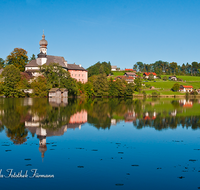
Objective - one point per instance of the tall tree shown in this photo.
(39, 86)
(32, 57)
(101, 85)
(173, 67)
(2, 62)
(11, 76)
(18, 58)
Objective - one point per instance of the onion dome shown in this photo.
(43, 42)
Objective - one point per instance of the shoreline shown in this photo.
(168, 96)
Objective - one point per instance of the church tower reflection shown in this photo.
(41, 135)
(35, 125)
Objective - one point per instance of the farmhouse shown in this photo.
(184, 88)
(173, 78)
(76, 71)
(113, 68)
(128, 79)
(146, 75)
(130, 74)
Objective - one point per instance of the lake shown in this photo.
(99, 144)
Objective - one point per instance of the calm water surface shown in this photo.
(100, 144)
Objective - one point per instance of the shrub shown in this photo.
(155, 94)
(151, 77)
(158, 76)
(165, 78)
(148, 85)
(194, 92)
(179, 79)
(144, 93)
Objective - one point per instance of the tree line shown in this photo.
(162, 67)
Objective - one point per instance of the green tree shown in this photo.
(40, 87)
(89, 89)
(138, 84)
(176, 87)
(99, 68)
(11, 76)
(18, 58)
(32, 57)
(101, 85)
(2, 62)
(120, 86)
(57, 77)
(113, 91)
(173, 67)
(151, 77)
(129, 89)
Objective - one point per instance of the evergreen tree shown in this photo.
(32, 57)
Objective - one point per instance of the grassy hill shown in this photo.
(164, 87)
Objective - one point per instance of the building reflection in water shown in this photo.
(55, 102)
(130, 116)
(186, 103)
(34, 125)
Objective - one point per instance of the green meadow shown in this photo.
(164, 87)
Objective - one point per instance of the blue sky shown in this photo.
(120, 31)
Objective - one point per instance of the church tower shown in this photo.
(43, 44)
(42, 56)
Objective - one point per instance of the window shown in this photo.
(72, 75)
(75, 75)
(79, 75)
(82, 75)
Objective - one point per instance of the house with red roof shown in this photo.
(146, 74)
(130, 74)
(184, 88)
(128, 79)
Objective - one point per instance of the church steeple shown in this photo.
(43, 44)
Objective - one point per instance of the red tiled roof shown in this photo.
(187, 86)
(128, 69)
(148, 73)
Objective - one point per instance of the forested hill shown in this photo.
(99, 68)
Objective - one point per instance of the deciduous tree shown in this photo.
(11, 76)
(176, 87)
(18, 58)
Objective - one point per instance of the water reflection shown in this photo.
(98, 141)
(51, 117)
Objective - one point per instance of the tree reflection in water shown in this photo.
(18, 116)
